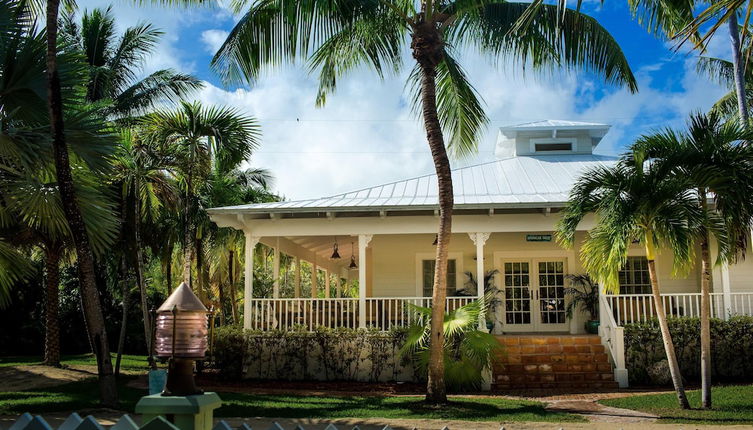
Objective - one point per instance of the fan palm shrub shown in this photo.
(468, 352)
(716, 158)
(338, 37)
(635, 203)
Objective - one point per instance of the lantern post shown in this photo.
(181, 338)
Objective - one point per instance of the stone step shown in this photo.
(550, 361)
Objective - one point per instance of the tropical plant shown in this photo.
(491, 292)
(678, 20)
(141, 172)
(34, 121)
(114, 63)
(584, 296)
(337, 37)
(201, 139)
(634, 203)
(468, 352)
(717, 159)
(722, 72)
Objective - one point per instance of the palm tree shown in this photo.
(33, 62)
(717, 160)
(339, 36)
(201, 139)
(635, 203)
(678, 20)
(141, 172)
(115, 61)
(721, 71)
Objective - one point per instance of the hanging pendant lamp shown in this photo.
(335, 253)
(436, 240)
(353, 264)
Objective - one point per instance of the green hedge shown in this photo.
(340, 354)
(731, 344)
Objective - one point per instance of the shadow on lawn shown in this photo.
(239, 405)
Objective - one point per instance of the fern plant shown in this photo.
(584, 295)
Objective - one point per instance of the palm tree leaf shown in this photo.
(14, 268)
(554, 39)
(162, 85)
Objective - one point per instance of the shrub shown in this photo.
(731, 346)
(340, 354)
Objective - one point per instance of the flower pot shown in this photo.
(592, 326)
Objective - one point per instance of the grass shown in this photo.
(128, 363)
(732, 405)
(81, 395)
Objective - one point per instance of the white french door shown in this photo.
(534, 295)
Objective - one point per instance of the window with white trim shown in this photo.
(552, 145)
(427, 276)
(634, 277)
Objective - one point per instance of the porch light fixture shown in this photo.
(335, 254)
(436, 240)
(182, 338)
(352, 264)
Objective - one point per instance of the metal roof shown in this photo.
(523, 181)
(555, 123)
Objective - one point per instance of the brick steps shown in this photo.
(545, 361)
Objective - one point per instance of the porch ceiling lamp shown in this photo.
(182, 338)
(436, 240)
(335, 254)
(352, 264)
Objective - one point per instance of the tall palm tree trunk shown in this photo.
(661, 315)
(705, 310)
(140, 276)
(95, 324)
(167, 267)
(124, 318)
(737, 67)
(52, 305)
(188, 242)
(202, 286)
(231, 278)
(427, 50)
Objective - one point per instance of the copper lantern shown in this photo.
(182, 338)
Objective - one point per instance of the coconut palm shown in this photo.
(336, 37)
(717, 160)
(115, 61)
(201, 139)
(678, 20)
(721, 71)
(635, 203)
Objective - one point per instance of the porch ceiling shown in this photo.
(321, 246)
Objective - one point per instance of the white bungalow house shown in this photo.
(504, 219)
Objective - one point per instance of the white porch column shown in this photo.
(479, 239)
(314, 286)
(248, 283)
(297, 292)
(363, 242)
(276, 270)
(326, 283)
(726, 291)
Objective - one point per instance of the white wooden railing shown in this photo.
(613, 339)
(616, 310)
(382, 313)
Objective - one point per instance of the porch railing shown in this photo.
(617, 310)
(382, 313)
(631, 308)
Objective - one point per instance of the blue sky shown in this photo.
(367, 135)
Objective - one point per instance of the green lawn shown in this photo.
(129, 363)
(732, 405)
(79, 395)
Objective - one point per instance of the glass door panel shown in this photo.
(551, 293)
(517, 282)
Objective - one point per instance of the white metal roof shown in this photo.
(554, 123)
(523, 181)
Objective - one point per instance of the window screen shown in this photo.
(546, 147)
(634, 278)
(428, 276)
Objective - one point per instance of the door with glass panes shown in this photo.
(534, 295)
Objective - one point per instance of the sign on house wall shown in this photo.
(538, 238)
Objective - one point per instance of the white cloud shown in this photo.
(213, 39)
